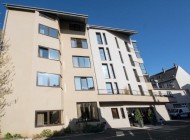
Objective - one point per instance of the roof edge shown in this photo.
(131, 32)
(43, 9)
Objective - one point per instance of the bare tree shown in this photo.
(6, 73)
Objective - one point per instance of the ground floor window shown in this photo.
(146, 112)
(47, 118)
(115, 113)
(87, 111)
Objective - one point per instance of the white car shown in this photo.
(179, 113)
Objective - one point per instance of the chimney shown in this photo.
(175, 65)
(163, 70)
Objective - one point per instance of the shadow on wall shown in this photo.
(187, 88)
(76, 126)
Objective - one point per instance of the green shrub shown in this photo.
(58, 133)
(36, 136)
(17, 136)
(46, 133)
(67, 130)
(8, 136)
(88, 128)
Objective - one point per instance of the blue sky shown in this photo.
(163, 25)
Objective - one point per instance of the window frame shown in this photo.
(105, 58)
(108, 54)
(74, 27)
(48, 80)
(131, 60)
(116, 41)
(122, 113)
(121, 57)
(79, 61)
(96, 120)
(125, 72)
(101, 41)
(84, 77)
(48, 31)
(48, 53)
(77, 42)
(105, 39)
(108, 72)
(117, 113)
(112, 71)
(48, 118)
(112, 91)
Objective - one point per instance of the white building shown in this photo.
(176, 82)
(68, 73)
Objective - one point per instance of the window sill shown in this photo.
(86, 90)
(49, 86)
(49, 125)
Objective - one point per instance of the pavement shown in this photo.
(172, 130)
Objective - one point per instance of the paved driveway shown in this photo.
(173, 130)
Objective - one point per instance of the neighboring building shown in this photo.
(68, 72)
(181, 96)
(174, 78)
(176, 82)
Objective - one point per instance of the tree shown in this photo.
(6, 73)
(139, 117)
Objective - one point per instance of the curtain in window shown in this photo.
(74, 43)
(40, 119)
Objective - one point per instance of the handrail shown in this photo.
(131, 92)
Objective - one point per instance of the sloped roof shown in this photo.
(63, 14)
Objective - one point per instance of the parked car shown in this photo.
(179, 113)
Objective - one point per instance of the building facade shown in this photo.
(68, 72)
(176, 82)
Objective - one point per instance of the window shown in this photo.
(105, 71)
(122, 113)
(99, 38)
(136, 75)
(127, 47)
(126, 76)
(116, 42)
(45, 30)
(109, 88)
(48, 118)
(130, 89)
(105, 40)
(87, 112)
(81, 61)
(108, 54)
(48, 53)
(84, 83)
(115, 88)
(136, 50)
(131, 60)
(142, 68)
(112, 71)
(77, 27)
(121, 57)
(79, 43)
(115, 113)
(46, 79)
(102, 54)
(141, 89)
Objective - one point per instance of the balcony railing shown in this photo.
(131, 92)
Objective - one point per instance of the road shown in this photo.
(173, 130)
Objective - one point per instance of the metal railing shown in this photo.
(131, 92)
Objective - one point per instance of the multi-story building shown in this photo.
(176, 82)
(68, 72)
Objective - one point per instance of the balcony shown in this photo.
(123, 95)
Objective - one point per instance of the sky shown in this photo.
(163, 26)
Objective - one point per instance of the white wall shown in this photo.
(116, 61)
